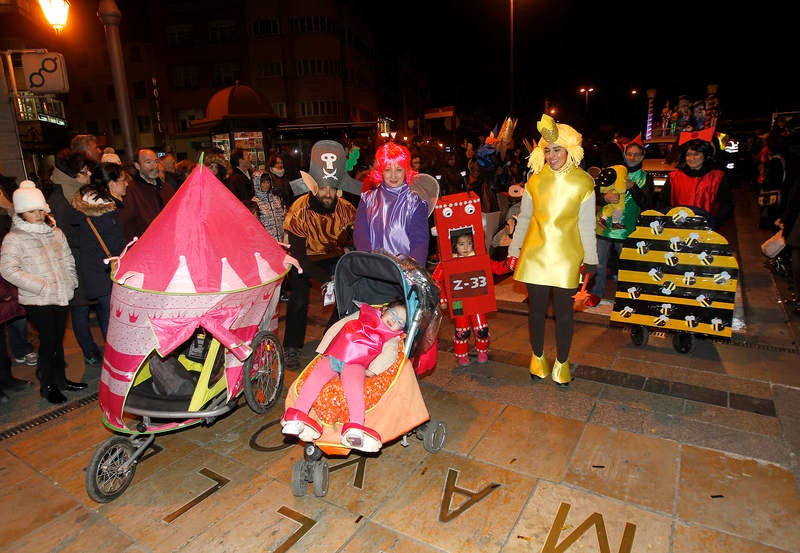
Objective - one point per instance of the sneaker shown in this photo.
(483, 356)
(291, 358)
(462, 360)
(31, 359)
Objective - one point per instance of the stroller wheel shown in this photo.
(312, 452)
(108, 474)
(320, 476)
(435, 436)
(263, 372)
(299, 478)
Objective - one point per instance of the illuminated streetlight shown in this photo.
(56, 12)
(586, 92)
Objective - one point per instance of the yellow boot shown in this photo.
(561, 374)
(539, 368)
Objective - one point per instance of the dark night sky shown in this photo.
(562, 45)
(611, 45)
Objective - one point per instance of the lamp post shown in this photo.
(109, 14)
(586, 92)
(511, 59)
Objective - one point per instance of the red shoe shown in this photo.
(592, 300)
(357, 436)
(296, 423)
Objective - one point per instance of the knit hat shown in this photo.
(29, 198)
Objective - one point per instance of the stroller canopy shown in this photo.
(377, 277)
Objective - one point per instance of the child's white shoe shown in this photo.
(296, 423)
(356, 436)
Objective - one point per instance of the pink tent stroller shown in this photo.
(187, 303)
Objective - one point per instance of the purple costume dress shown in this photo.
(392, 219)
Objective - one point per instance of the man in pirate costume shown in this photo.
(554, 237)
(320, 228)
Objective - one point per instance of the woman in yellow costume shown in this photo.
(554, 237)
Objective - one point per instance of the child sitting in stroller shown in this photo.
(355, 347)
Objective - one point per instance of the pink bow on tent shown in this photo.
(173, 331)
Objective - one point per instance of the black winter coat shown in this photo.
(93, 272)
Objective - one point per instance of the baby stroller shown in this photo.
(394, 404)
(183, 341)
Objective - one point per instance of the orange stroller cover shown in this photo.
(393, 401)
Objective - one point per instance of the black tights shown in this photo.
(563, 305)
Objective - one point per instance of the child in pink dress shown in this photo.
(348, 355)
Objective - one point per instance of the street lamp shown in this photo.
(109, 14)
(56, 12)
(586, 92)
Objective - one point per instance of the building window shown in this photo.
(144, 123)
(185, 77)
(312, 108)
(221, 30)
(139, 90)
(318, 67)
(266, 27)
(280, 109)
(225, 74)
(312, 24)
(269, 69)
(179, 36)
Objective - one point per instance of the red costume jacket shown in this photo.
(700, 191)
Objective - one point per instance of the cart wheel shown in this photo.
(320, 477)
(435, 436)
(312, 452)
(106, 479)
(683, 342)
(299, 478)
(263, 372)
(639, 335)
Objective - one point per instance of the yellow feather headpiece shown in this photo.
(559, 134)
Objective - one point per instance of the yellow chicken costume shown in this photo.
(554, 236)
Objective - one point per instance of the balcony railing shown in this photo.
(32, 107)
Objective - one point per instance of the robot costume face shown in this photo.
(467, 282)
(455, 215)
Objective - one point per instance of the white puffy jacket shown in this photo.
(37, 260)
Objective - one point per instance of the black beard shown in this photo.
(316, 205)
